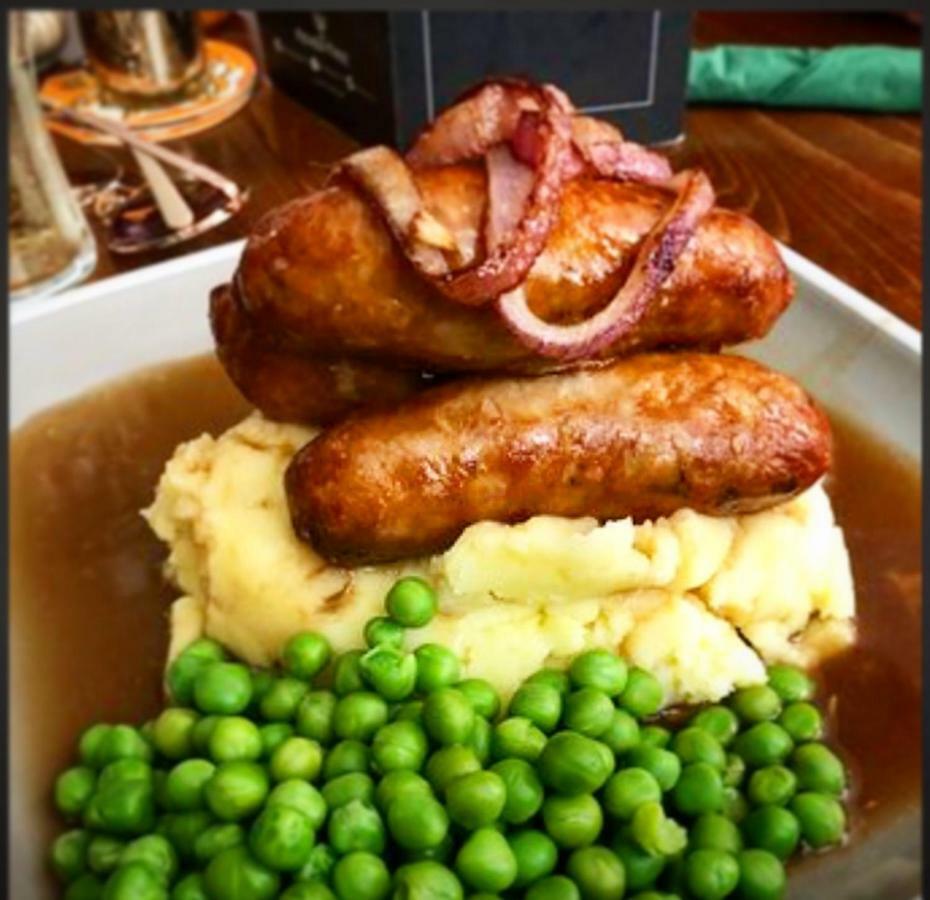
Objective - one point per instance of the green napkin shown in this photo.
(874, 78)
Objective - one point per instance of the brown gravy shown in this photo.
(88, 603)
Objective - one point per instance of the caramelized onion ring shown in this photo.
(654, 262)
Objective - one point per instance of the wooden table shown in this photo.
(842, 189)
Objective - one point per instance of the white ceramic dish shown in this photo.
(855, 357)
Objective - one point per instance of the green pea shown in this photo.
(719, 722)
(448, 716)
(122, 742)
(85, 887)
(223, 688)
(69, 854)
(713, 831)
(123, 771)
(557, 678)
(524, 791)
(301, 796)
(346, 756)
(449, 763)
(655, 833)
(711, 874)
(171, 732)
(572, 821)
(598, 873)
(790, 683)
(441, 853)
(217, 838)
(103, 853)
(588, 711)
(345, 788)
(664, 766)
(818, 769)
(282, 700)
(361, 876)
(821, 817)
(426, 880)
(555, 887)
(772, 786)
(540, 703)
(758, 703)
(772, 828)
(90, 745)
(308, 890)
(536, 855)
(201, 733)
(306, 655)
(398, 782)
(571, 763)
(626, 790)
(315, 716)
(206, 649)
(802, 721)
(437, 667)
(134, 881)
(761, 876)
(183, 829)
(476, 799)
(641, 867)
(235, 737)
(154, 851)
(643, 695)
(601, 670)
(764, 744)
(319, 864)
(623, 732)
(655, 736)
(185, 783)
(347, 673)
(73, 790)
(358, 716)
(190, 887)
(236, 790)
(383, 630)
(517, 738)
(356, 826)
(262, 680)
(699, 789)
(416, 821)
(734, 771)
(273, 735)
(735, 806)
(411, 602)
(297, 757)
(234, 874)
(281, 838)
(480, 739)
(390, 671)
(697, 745)
(180, 677)
(482, 696)
(486, 862)
(124, 808)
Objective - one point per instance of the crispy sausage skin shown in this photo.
(639, 437)
(325, 270)
(293, 386)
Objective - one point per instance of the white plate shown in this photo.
(855, 357)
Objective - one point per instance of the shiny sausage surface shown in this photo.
(641, 437)
(325, 270)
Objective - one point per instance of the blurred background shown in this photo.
(140, 136)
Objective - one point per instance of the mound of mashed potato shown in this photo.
(701, 602)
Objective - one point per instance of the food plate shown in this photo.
(861, 362)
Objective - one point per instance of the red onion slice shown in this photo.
(385, 177)
(655, 261)
(509, 185)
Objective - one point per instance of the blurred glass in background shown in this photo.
(50, 244)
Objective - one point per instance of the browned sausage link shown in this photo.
(639, 437)
(292, 386)
(325, 269)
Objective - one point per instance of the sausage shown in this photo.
(291, 385)
(639, 437)
(325, 269)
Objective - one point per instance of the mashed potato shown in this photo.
(702, 602)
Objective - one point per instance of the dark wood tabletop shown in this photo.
(843, 189)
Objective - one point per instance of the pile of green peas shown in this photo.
(383, 773)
